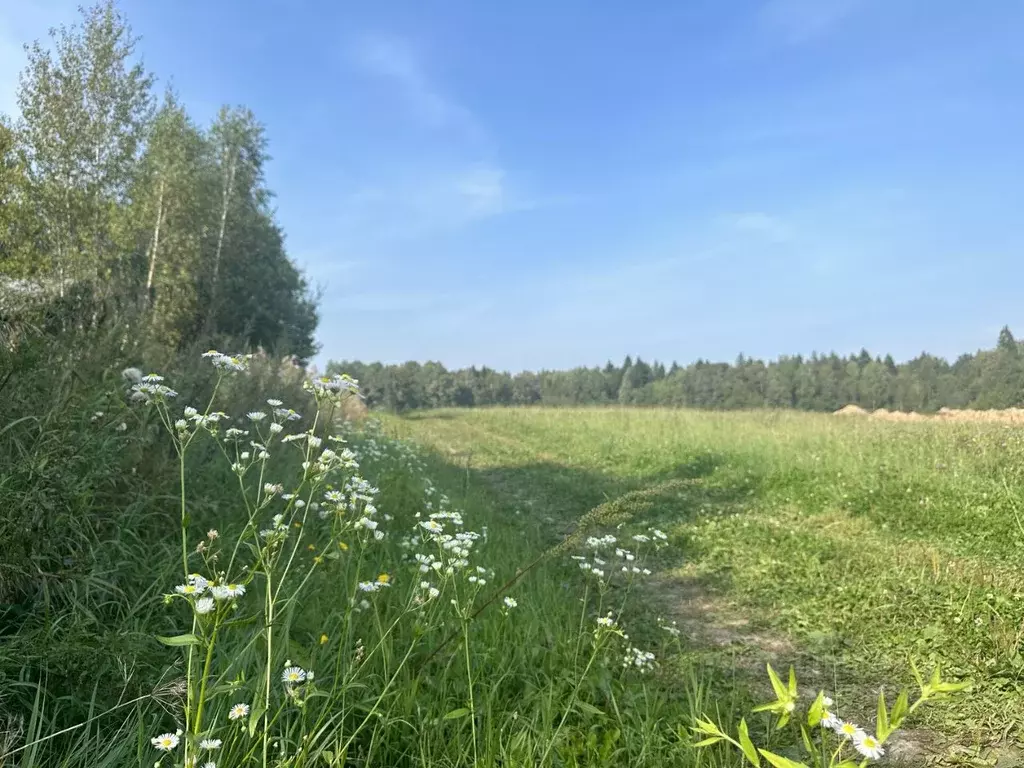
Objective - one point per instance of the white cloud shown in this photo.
(426, 203)
(764, 225)
(396, 60)
(800, 21)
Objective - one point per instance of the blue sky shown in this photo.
(547, 184)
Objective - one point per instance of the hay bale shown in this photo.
(851, 410)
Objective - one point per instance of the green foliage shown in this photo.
(836, 744)
(111, 210)
(988, 379)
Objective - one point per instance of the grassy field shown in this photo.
(845, 546)
(213, 569)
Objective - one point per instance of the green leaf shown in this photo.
(780, 690)
(254, 717)
(899, 710)
(456, 713)
(882, 723)
(749, 750)
(779, 761)
(708, 741)
(807, 739)
(178, 640)
(815, 713)
(708, 727)
(792, 683)
(771, 707)
(589, 709)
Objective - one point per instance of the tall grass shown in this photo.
(322, 621)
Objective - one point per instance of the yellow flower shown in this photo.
(323, 639)
(311, 548)
(318, 560)
(343, 546)
(383, 579)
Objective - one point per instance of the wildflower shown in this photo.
(209, 764)
(432, 525)
(366, 522)
(323, 639)
(204, 605)
(191, 588)
(228, 591)
(293, 675)
(165, 742)
(212, 534)
(256, 415)
(210, 744)
(152, 378)
(121, 427)
(190, 412)
(827, 701)
(368, 586)
(850, 731)
(238, 711)
(274, 403)
(642, 660)
(829, 720)
(606, 621)
(384, 580)
(869, 746)
(134, 375)
(181, 424)
(510, 602)
(275, 428)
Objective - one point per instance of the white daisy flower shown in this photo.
(432, 525)
(205, 605)
(209, 764)
(238, 711)
(293, 675)
(210, 744)
(165, 742)
(366, 522)
(274, 403)
(869, 746)
(256, 415)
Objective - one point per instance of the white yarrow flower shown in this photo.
(510, 602)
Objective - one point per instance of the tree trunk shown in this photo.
(156, 244)
(228, 189)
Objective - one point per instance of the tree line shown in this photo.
(991, 378)
(115, 201)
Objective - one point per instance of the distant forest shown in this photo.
(991, 378)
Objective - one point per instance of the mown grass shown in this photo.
(854, 544)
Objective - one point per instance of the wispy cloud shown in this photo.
(769, 227)
(396, 60)
(428, 203)
(800, 21)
